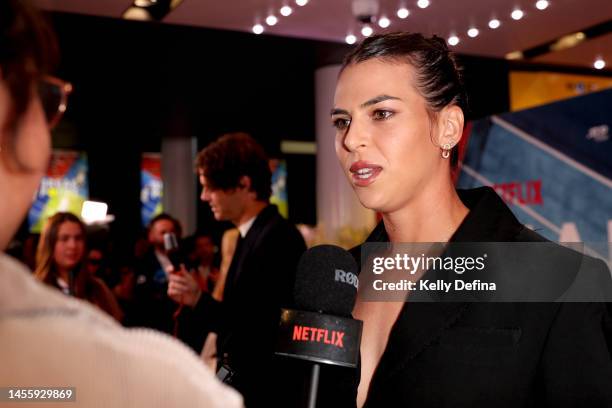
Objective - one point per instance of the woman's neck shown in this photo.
(63, 274)
(432, 216)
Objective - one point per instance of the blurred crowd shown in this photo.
(81, 261)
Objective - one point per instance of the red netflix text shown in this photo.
(515, 192)
(318, 335)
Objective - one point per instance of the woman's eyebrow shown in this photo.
(378, 99)
(337, 111)
(369, 102)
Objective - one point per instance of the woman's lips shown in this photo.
(364, 173)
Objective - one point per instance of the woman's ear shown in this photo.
(450, 125)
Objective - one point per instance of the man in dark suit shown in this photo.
(236, 183)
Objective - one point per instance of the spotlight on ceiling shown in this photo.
(150, 10)
(271, 20)
(473, 32)
(367, 31)
(517, 14)
(494, 23)
(258, 29)
(384, 22)
(599, 63)
(350, 39)
(403, 13)
(286, 11)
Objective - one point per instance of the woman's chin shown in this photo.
(371, 202)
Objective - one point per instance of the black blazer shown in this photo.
(151, 307)
(495, 354)
(259, 282)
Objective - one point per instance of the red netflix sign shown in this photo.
(319, 338)
(316, 334)
(516, 192)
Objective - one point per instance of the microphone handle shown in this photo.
(314, 385)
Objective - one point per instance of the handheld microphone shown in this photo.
(321, 329)
(172, 250)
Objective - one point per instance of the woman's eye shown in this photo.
(341, 124)
(382, 114)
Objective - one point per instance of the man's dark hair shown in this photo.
(232, 156)
(178, 229)
(438, 75)
(28, 50)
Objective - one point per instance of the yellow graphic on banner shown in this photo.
(531, 89)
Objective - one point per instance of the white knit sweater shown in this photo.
(50, 340)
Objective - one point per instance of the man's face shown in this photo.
(204, 249)
(226, 205)
(157, 231)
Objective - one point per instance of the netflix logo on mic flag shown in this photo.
(319, 338)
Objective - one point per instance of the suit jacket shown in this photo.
(467, 354)
(152, 307)
(259, 282)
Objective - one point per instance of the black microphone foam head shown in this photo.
(326, 281)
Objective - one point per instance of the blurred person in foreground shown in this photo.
(61, 263)
(48, 339)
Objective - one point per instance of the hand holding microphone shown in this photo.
(182, 286)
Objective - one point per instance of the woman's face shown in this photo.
(385, 140)
(70, 246)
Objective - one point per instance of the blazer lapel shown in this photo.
(417, 326)
(420, 324)
(245, 246)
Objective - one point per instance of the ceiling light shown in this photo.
(301, 2)
(366, 31)
(542, 4)
(403, 13)
(150, 9)
(144, 3)
(517, 14)
(258, 29)
(599, 63)
(423, 3)
(514, 55)
(384, 22)
(453, 40)
(286, 11)
(350, 39)
(568, 41)
(473, 32)
(271, 20)
(494, 23)
(137, 13)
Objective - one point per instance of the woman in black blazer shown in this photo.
(398, 111)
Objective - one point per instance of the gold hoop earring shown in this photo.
(446, 151)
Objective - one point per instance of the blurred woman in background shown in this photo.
(60, 262)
